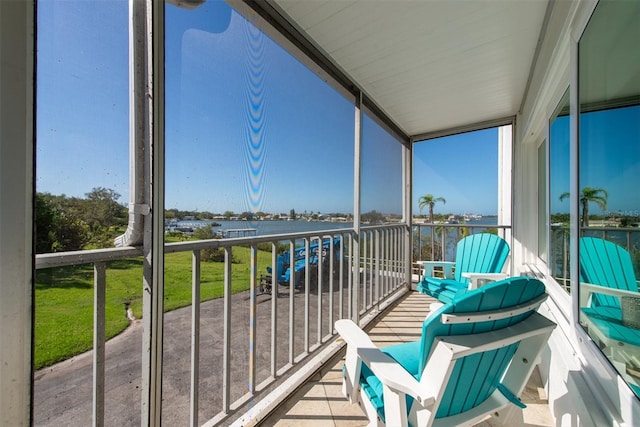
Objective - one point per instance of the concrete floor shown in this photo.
(320, 402)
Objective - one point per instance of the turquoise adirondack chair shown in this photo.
(478, 257)
(607, 276)
(474, 358)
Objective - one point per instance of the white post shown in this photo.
(16, 216)
(505, 183)
(357, 178)
(153, 246)
(407, 208)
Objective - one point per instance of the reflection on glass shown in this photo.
(609, 95)
(558, 192)
(251, 133)
(542, 201)
(381, 175)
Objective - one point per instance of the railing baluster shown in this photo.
(388, 258)
(99, 291)
(351, 266)
(372, 271)
(389, 262)
(226, 357)
(195, 337)
(399, 257)
(379, 272)
(331, 281)
(274, 314)
(292, 289)
(319, 290)
(306, 294)
(341, 278)
(252, 318)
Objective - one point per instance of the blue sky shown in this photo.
(248, 128)
(609, 159)
(462, 169)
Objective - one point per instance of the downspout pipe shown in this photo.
(138, 137)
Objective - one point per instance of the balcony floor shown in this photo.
(320, 402)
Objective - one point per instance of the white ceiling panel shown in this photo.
(430, 65)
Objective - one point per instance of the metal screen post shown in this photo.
(195, 337)
(99, 285)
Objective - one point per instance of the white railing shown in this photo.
(265, 336)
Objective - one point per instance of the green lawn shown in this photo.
(64, 298)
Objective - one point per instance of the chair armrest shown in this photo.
(388, 371)
(586, 289)
(476, 279)
(447, 267)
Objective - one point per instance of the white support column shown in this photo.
(153, 245)
(407, 208)
(16, 215)
(357, 178)
(505, 182)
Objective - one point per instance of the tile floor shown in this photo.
(320, 402)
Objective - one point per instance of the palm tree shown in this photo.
(430, 201)
(596, 195)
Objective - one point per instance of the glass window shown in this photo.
(255, 141)
(559, 206)
(609, 143)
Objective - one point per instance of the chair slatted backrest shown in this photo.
(607, 264)
(480, 253)
(476, 377)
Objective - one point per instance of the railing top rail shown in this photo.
(239, 241)
(460, 225)
(62, 259)
(382, 226)
(618, 229)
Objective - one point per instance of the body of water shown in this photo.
(262, 228)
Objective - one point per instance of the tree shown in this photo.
(55, 228)
(71, 223)
(227, 214)
(429, 200)
(373, 217)
(248, 216)
(598, 196)
(211, 254)
(103, 210)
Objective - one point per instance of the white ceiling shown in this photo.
(430, 65)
